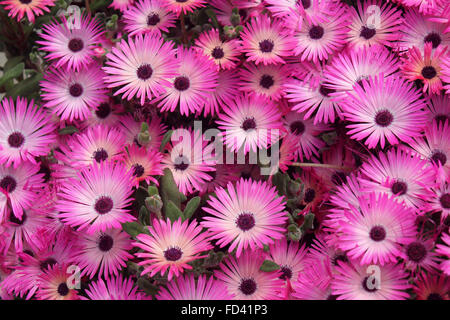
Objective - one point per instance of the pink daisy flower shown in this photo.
(25, 132)
(316, 40)
(96, 144)
(419, 254)
(144, 164)
(248, 215)
(306, 134)
(417, 30)
(121, 5)
(426, 67)
(384, 109)
(264, 40)
(106, 113)
(224, 173)
(314, 282)
(348, 68)
(31, 8)
(71, 46)
(250, 123)
(103, 252)
(446, 74)
(424, 6)
(225, 54)
(374, 232)
(132, 128)
(72, 95)
(367, 31)
(440, 202)
(18, 188)
(357, 282)
(195, 78)
(97, 199)
(314, 101)
(148, 16)
(187, 288)
(438, 107)
(290, 257)
(399, 173)
(244, 279)
(115, 288)
(432, 287)
(171, 246)
(435, 145)
(224, 93)
(141, 67)
(265, 81)
(189, 160)
(444, 250)
(184, 6)
(54, 284)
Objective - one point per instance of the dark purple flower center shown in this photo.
(103, 205)
(435, 296)
(105, 242)
(49, 262)
(369, 284)
(63, 289)
(181, 163)
(247, 286)
(429, 72)
(103, 110)
(310, 194)
(100, 155)
(16, 220)
(316, 32)
(445, 201)
(384, 118)
(325, 91)
(416, 251)
(76, 44)
(266, 81)
(245, 221)
(217, 53)
(25, 1)
(181, 83)
(76, 90)
(297, 127)
(173, 254)
(439, 156)
(305, 3)
(434, 38)
(367, 32)
(153, 19)
(399, 188)
(266, 46)
(286, 273)
(441, 118)
(248, 124)
(138, 170)
(338, 178)
(377, 233)
(144, 72)
(181, 1)
(16, 140)
(339, 257)
(8, 184)
(45, 169)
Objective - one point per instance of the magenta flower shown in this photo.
(115, 288)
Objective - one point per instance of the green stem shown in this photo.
(319, 165)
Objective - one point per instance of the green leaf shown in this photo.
(144, 216)
(12, 62)
(152, 190)
(12, 73)
(145, 285)
(173, 212)
(165, 140)
(280, 180)
(212, 15)
(27, 87)
(67, 130)
(191, 207)
(169, 190)
(308, 223)
(269, 266)
(100, 4)
(133, 228)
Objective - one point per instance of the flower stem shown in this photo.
(319, 165)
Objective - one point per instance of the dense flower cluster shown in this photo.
(225, 149)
